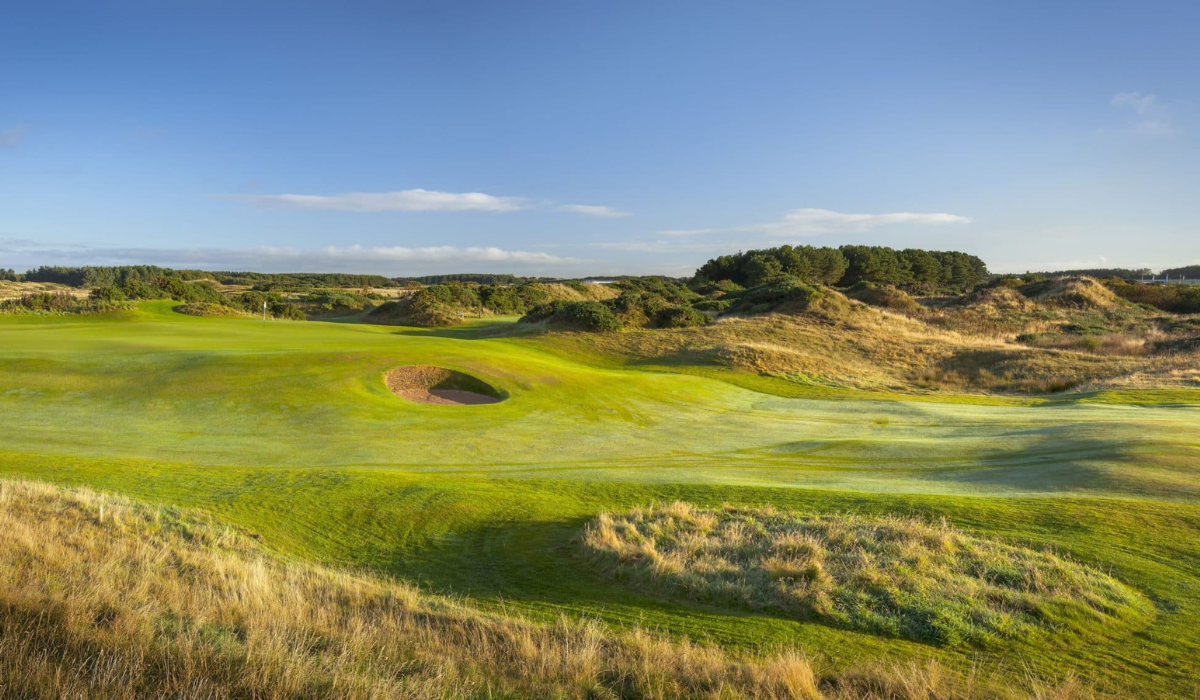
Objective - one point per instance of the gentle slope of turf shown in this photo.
(288, 429)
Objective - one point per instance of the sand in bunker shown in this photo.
(438, 385)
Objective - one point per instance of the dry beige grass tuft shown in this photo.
(102, 597)
(1076, 292)
(892, 575)
(16, 290)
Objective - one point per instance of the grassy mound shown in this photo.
(895, 576)
(410, 312)
(438, 385)
(1072, 292)
(885, 297)
(210, 310)
(999, 298)
(101, 596)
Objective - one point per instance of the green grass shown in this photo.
(287, 429)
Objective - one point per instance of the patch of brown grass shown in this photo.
(16, 290)
(102, 597)
(890, 575)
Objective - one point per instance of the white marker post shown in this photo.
(264, 313)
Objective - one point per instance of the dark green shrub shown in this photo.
(287, 312)
(682, 317)
(108, 293)
(717, 305)
(541, 312)
(770, 296)
(586, 315)
(575, 315)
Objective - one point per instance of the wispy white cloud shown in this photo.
(786, 229)
(678, 232)
(1147, 115)
(13, 135)
(811, 222)
(1135, 100)
(419, 200)
(593, 210)
(443, 253)
(402, 200)
(675, 245)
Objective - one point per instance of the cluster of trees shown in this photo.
(755, 267)
(129, 284)
(924, 271)
(99, 276)
(7, 275)
(1190, 272)
(96, 276)
(298, 281)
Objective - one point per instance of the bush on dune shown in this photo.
(783, 294)
(574, 315)
(882, 296)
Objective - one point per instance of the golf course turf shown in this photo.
(289, 430)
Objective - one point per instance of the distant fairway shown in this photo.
(287, 429)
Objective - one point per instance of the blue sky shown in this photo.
(567, 138)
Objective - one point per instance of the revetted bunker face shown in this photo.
(441, 386)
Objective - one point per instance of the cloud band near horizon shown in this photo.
(416, 200)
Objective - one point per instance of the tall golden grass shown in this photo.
(892, 575)
(102, 597)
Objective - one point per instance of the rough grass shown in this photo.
(15, 290)
(1073, 292)
(104, 597)
(211, 310)
(1049, 346)
(896, 576)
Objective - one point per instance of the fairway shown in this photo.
(287, 429)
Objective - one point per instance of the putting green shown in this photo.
(287, 428)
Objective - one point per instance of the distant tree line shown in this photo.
(7, 275)
(476, 278)
(1098, 273)
(99, 276)
(95, 276)
(267, 281)
(917, 270)
(1190, 272)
